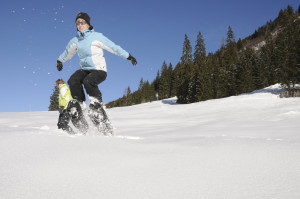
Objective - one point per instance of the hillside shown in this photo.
(270, 55)
(245, 146)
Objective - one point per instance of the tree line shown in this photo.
(270, 55)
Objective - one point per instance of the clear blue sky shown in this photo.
(35, 33)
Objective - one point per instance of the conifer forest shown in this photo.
(270, 55)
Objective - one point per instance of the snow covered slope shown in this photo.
(246, 146)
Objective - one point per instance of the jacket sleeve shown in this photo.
(69, 52)
(65, 97)
(112, 47)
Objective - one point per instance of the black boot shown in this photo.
(77, 117)
(100, 119)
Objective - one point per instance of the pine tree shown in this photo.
(202, 73)
(200, 51)
(286, 51)
(141, 84)
(220, 74)
(290, 10)
(213, 66)
(245, 72)
(164, 82)
(128, 96)
(148, 93)
(54, 100)
(171, 80)
(138, 96)
(258, 73)
(268, 63)
(194, 85)
(176, 78)
(187, 56)
(185, 71)
(230, 58)
(156, 82)
(239, 45)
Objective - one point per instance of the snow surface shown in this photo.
(246, 146)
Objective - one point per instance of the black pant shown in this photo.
(90, 79)
(63, 121)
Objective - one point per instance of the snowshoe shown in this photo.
(63, 122)
(77, 116)
(69, 130)
(100, 119)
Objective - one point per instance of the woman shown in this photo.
(89, 45)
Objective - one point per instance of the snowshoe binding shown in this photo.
(100, 119)
(77, 117)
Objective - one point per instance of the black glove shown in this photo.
(59, 65)
(132, 60)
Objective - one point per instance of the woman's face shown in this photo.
(81, 25)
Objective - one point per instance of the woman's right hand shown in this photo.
(59, 65)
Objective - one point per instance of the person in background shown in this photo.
(89, 45)
(63, 101)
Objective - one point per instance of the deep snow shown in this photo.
(245, 146)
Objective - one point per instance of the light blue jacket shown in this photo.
(90, 45)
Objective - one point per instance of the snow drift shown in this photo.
(244, 146)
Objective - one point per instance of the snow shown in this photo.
(259, 45)
(245, 146)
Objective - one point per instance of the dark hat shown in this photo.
(84, 16)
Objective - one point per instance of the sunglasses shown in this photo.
(81, 22)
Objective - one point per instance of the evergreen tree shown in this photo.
(220, 74)
(156, 82)
(186, 57)
(212, 65)
(282, 52)
(268, 64)
(230, 58)
(185, 72)
(54, 100)
(286, 51)
(141, 84)
(258, 73)
(164, 82)
(290, 10)
(230, 37)
(200, 51)
(176, 78)
(201, 77)
(171, 81)
(245, 72)
(128, 96)
(194, 85)
(138, 96)
(148, 93)
(239, 45)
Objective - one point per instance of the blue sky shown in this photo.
(35, 33)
